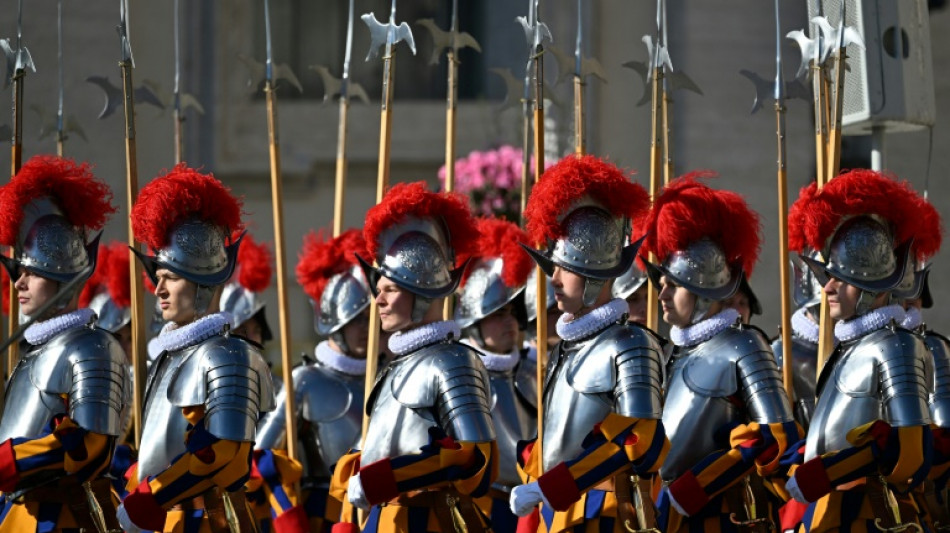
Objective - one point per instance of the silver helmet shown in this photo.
(345, 297)
(702, 269)
(531, 295)
(629, 282)
(50, 246)
(416, 256)
(484, 292)
(244, 304)
(198, 251)
(862, 253)
(806, 291)
(111, 316)
(592, 247)
(916, 284)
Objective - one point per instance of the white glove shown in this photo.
(792, 487)
(676, 505)
(354, 493)
(127, 525)
(524, 498)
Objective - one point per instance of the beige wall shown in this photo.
(709, 41)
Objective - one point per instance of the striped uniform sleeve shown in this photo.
(616, 443)
(901, 454)
(755, 446)
(346, 467)
(470, 467)
(63, 447)
(279, 475)
(207, 462)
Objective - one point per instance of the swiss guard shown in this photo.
(64, 398)
(243, 297)
(328, 388)
(870, 440)
(489, 312)
(601, 399)
(207, 388)
(430, 447)
(726, 411)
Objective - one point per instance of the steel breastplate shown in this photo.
(692, 418)
(163, 432)
(569, 415)
(26, 408)
(514, 420)
(333, 435)
(804, 375)
(939, 348)
(851, 388)
(394, 428)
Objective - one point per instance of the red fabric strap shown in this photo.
(379, 483)
(144, 509)
(688, 493)
(559, 487)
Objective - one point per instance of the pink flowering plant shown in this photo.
(492, 181)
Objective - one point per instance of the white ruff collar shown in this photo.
(804, 327)
(403, 342)
(339, 361)
(848, 330)
(914, 319)
(571, 329)
(703, 330)
(41, 332)
(174, 338)
(494, 361)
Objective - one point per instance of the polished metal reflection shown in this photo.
(736, 362)
(442, 385)
(80, 372)
(804, 375)
(110, 316)
(484, 292)
(346, 296)
(615, 371)
(881, 376)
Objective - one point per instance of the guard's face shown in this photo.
(676, 302)
(33, 291)
(356, 335)
(568, 290)
(637, 304)
(176, 297)
(842, 299)
(500, 330)
(395, 305)
(740, 302)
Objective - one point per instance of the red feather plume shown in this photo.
(180, 194)
(84, 200)
(413, 199)
(254, 264)
(500, 238)
(321, 259)
(570, 180)
(816, 215)
(111, 274)
(688, 211)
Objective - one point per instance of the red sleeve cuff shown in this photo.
(813, 479)
(8, 473)
(144, 509)
(689, 494)
(293, 520)
(379, 483)
(345, 527)
(559, 487)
